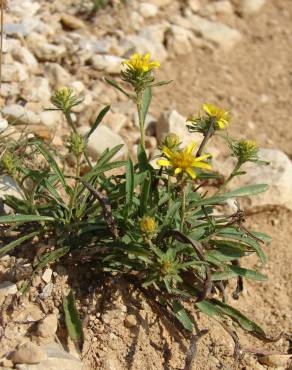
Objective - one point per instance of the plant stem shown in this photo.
(183, 205)
(141, 120)
(75, 191)
(207, 136)
(230, 177)
(74, 129)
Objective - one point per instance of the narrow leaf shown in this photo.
(146, 100)
(182, 316)
(72, 320)
(116, 86)
(9, 247)
(145, 192)
(129, 182)
(98, 120)
(10, 219)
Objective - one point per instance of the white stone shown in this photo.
(101, 139)
(15, 72)
(57, 75)
(28, 353)
(48, 326)
(148, 10)
(249, 7)
(107, 63)
(18, 114)
(173, 122)
(3, 124)
(217, 33)
(57, 359)
(115, 121)
(44, 50)
(37, 89)
(51, 119)
(194, 5)
(7, 288)
(24, 8)
(277, 175)
(161, 3)
(220, 7)
(143, 45)
(47, 275)
(180, 40)
(78, 87)
(47, 291)
(23, 55)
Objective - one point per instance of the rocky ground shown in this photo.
(235, 53)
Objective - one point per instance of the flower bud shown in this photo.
(171, 141)
(64, 99)
(148, 225)
(77, 144)
(245, 150)
(9, 163)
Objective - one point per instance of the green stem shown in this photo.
(141, 120)
(207, 136)
(75, 190)
(183, 206)
(74, 129)
(230, 177)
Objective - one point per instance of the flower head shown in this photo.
(184, 161)
(171, 141)
(148, 225)
(140, 63)
(221, 117)
(64, 99)
(245, 150)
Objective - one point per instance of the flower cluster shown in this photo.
(64, 99)
(245, 150)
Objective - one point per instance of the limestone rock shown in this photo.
(28, 353)
(249, 7)
(3, 124)
(8, 288)
(275, 361)
(130, 321)
(15, 72)
(108, 63)
(103, 138)
(278, 176)
(161, 3)
(57, 75)
(173, 122)
(179, 40)
(48, 326)
(217, 33)
(220, 7)
(23, 55)
(44, 50)
(47, 275)
(37, 89)
(18, 114)
(194, 5)
(148, 10)
(72, 22)
(51, 119)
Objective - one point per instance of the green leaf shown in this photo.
(15, 243)
(182, 316)
(142, 159)
(129, 183)
(172, 212)
(224, 254)
(145, 192)
(247, 190)
(52, 257)
(161, 83)
(145, 104)
(72, 319)
(234, 271)
(98, 120)
(243, 321)
(53, 165)
(10, 219)
(208, 308)
(116, 86)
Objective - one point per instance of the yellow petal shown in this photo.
(207, 108)
(189, 149)
(163, 162)
(177, 171)
(167, 152)
(202, 165)
(202, 157)
(192, 173)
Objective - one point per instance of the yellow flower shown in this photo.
(184, 161)
(141, 63)
(221, 116)
(148, 225)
